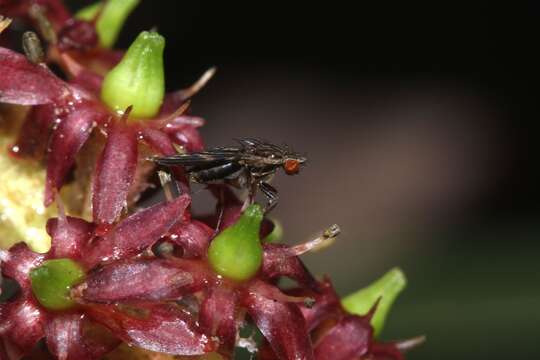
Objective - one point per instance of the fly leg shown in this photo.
(252, 185)
(271, 193)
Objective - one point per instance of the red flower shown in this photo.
(65, 114)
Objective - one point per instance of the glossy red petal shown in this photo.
(64, 337)
(18, 263)
(349, 339)
(114, 174)
(282, 324)
(189, 138)
(161, 328)
(278, 262)
(137, 232)
(34, 135)
(193, 237)
(71, 336)
(217, 317)
(69, 236)
(22, 323)
(143, 279)
(67, 140)
(24, 83)
(177, 123)
(158, 140)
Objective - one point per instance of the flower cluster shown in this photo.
(158, 278)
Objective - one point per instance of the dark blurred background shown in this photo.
(420, 125)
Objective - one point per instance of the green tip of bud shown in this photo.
(138, 79)
(112, 17)
(236, 252)
(387, 288)
(52, 282)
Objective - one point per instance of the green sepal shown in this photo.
(88, 13)
(52, 282)
(387, 288)
(111, 19)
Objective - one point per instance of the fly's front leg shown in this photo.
(253, 185)
(271, 193)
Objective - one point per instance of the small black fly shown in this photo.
(250, 165)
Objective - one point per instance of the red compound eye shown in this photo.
(291, 166)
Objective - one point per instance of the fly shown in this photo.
(250, 165)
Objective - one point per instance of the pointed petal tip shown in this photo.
(410, 344)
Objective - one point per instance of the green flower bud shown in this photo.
(138, 80)
(236, 252)
(52, 282)
(387, 288)
(111, 19)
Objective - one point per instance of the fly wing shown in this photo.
(202, 159)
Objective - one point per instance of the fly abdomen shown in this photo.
(216, 173)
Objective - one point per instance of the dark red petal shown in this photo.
(179, 122)
(171, 102)
(20, 260)
(161, 143)
(70, 336)
(194, 238)
(217, 317)
(66, 142)
(34, 135)
(327, 304)
(100, 60)
(349, 339)
(158, 140)
(114, 174)
(24, 83)
(22, 322)
(143, 279)
(137, 232)
(55, 11)
(385, 351)
(77, 35)
(282, 324)
(88, 81)
(64, 337)
(3, 350)
(278, 262)
(161, 328)
(69, 236)
(189, 138)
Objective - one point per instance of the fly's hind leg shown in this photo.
(271, 193)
